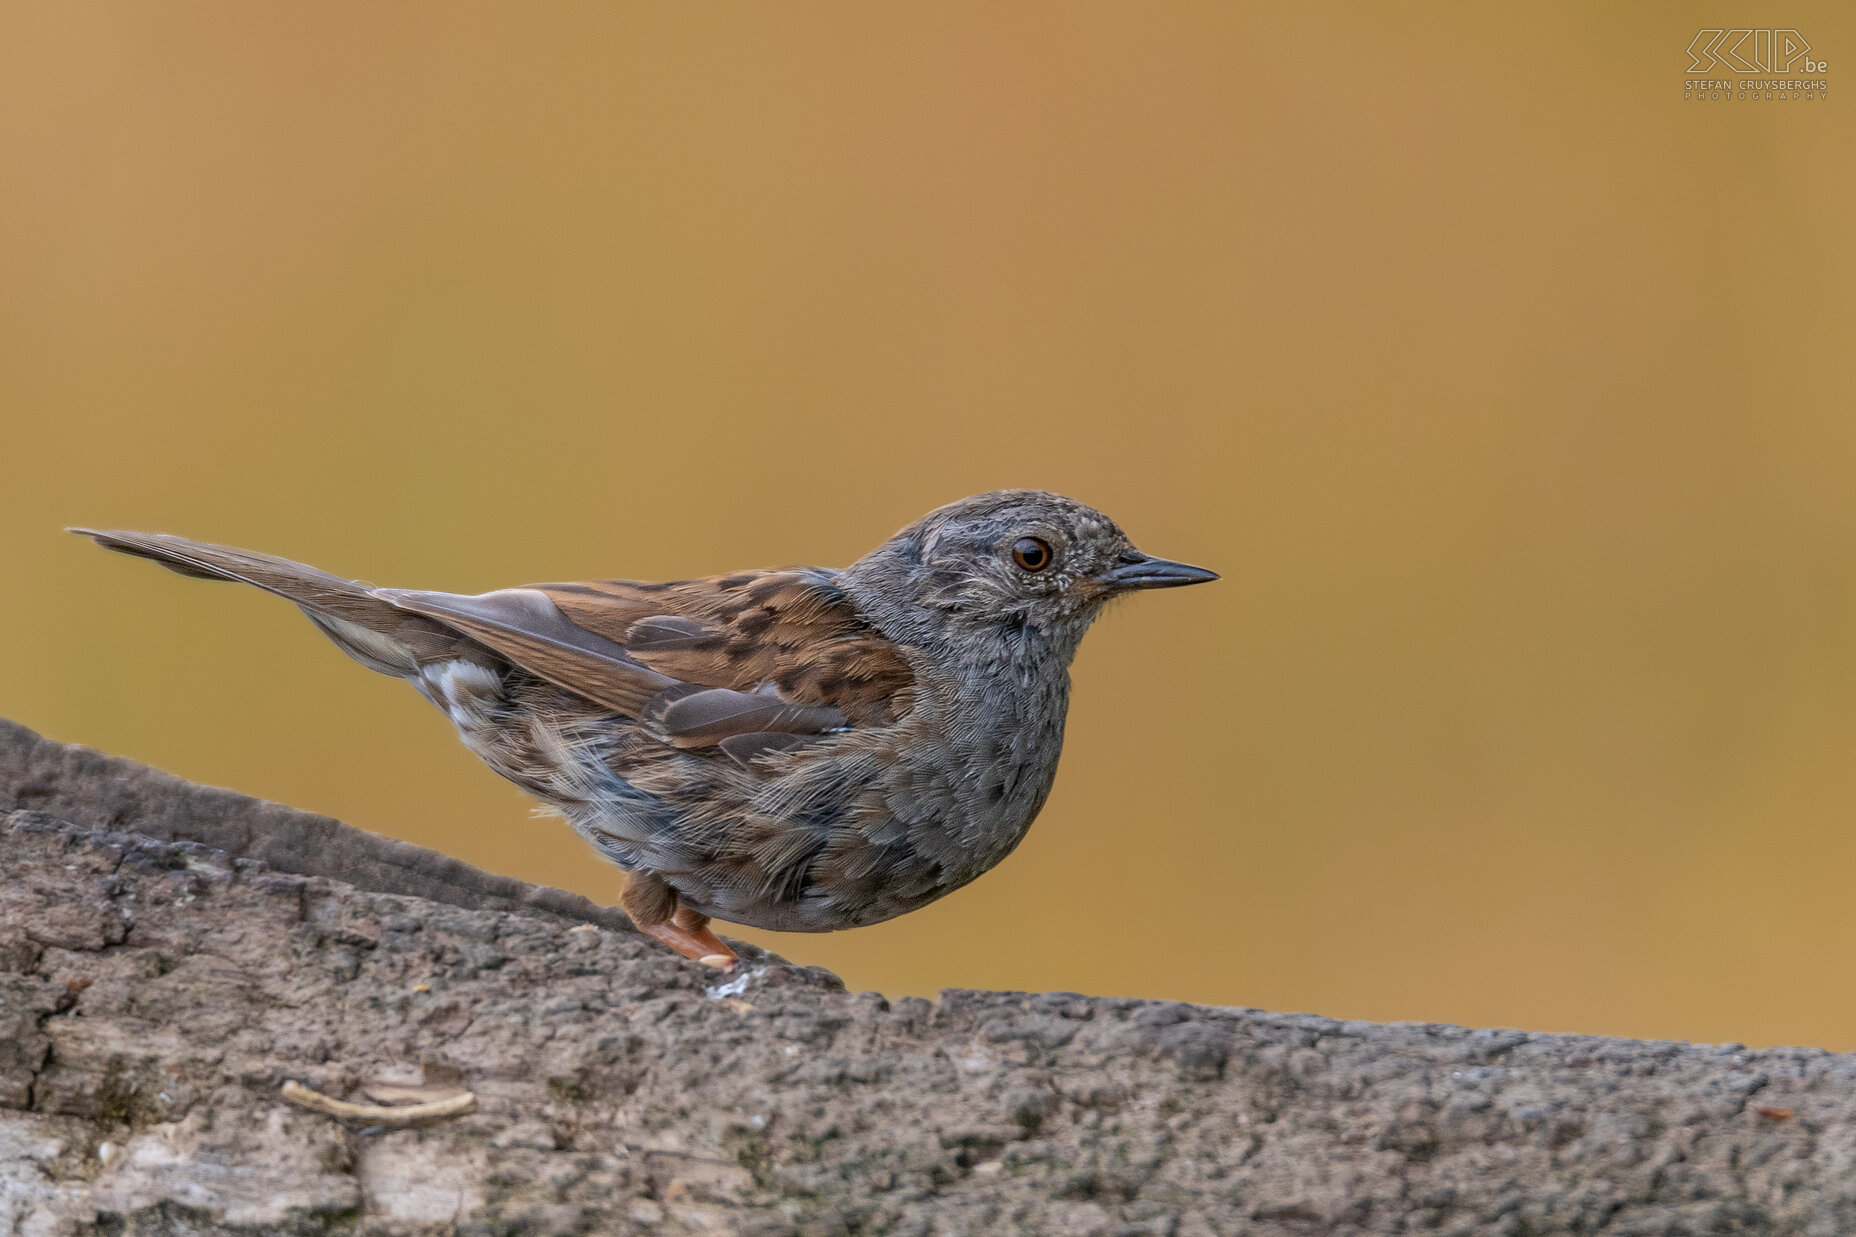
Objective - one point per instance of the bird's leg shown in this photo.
(652, 905)
(688, 933)
(695, 925)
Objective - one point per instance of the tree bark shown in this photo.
(171, 955)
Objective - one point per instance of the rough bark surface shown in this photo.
(170, 955)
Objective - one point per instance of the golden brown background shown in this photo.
(1512, 394)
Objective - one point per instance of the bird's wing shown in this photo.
(746, 661)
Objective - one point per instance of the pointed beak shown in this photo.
(1137, 570)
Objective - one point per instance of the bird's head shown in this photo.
(1022, 565)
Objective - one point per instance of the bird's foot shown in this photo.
(693, 942)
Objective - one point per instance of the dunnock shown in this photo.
(803, 749)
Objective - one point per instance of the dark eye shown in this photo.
(1031, 553)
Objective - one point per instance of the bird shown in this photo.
(801, 749)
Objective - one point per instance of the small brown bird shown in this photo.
(804, 749)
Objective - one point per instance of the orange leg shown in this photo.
(653, 908)
(688, 933)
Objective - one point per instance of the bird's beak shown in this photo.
(1137, 570)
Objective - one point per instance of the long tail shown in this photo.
(368, 629)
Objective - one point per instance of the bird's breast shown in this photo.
(983, 766)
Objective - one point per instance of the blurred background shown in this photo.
(1511, 391)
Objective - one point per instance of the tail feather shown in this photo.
(368, 629)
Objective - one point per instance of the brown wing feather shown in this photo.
(697, 662)
(524, 626)
(791, 629)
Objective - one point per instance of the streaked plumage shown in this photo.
(804, 749)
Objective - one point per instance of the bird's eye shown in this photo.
(1031, 553)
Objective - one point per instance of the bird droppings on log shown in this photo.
(170, 956)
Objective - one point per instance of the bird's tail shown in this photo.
(367, 628)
